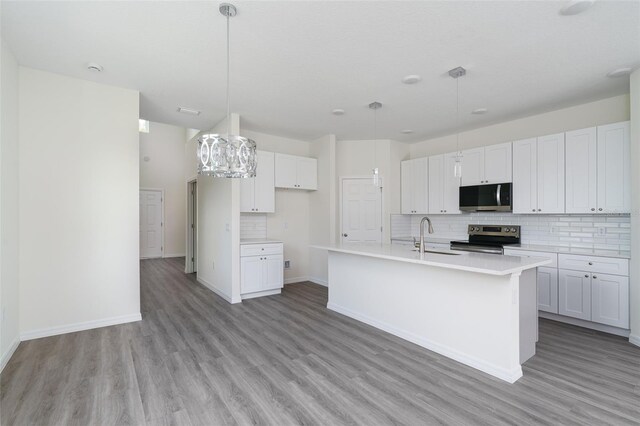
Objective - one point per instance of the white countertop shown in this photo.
(258, 241)
(426, 239)
(473, 262)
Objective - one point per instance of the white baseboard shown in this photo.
(79, 326)
(174, 255)
(293, 280)
(319, 281)
(217, 291)
(9, 353)
(507, 375)
(586, 324)
(260, 294)
(634, 340)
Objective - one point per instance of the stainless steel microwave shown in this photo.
(495, 197)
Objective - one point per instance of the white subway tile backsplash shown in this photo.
(253, 226)
(572, 231)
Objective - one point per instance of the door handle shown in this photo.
(345, 235)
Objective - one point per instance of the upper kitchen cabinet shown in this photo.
(538, 175)
(296, 172)
(414, 187)
(614, 181)
(597, 169)
(490, 164)
(258, 194)
(443, 185)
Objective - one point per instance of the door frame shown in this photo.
(162, 225)
(340, 211)
(191, 235)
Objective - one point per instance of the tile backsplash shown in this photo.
(253, 226)
(595, 232)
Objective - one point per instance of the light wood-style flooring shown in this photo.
(194, 359)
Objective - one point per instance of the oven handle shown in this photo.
(478, 250)
(498, 194)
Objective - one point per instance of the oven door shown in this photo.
(477, 248)
(488, 198)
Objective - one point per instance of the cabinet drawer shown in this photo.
(604, 265)
(553, 257)
(260, 249)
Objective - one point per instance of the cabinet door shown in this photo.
(251, 274)
(406, 186)
(420, 186)
(497, 163)
(473, 167)
(273, 272)
(610, 300)
(580, 173)
(551, 174)
(436, 184)
(247, 195)
(525, 176)
(548, 289)
(574, 294)
(285, 171)
(451, 189)
(307, 173)
(614, 182)
(264, 197)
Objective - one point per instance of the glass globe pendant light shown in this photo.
(376, 172)
(230, 156)
(457, 165)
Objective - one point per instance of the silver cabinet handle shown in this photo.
(586, 276)
(593, 209)
(533, 210)
(345, 235)
(600, 209)
(539, 210)
(590, 263)
(594, 277)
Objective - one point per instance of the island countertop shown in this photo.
(491, 264)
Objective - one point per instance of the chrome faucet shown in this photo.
(422, 232)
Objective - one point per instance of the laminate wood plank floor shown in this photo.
(194, 359)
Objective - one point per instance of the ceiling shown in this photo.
(292, 63)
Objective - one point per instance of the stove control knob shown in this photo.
(513, 229)
(505, 229)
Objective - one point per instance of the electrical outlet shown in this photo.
(602, 230)
(286, 225)
(287, 264)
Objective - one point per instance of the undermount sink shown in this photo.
(439, 252)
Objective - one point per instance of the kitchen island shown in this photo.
(478, 309)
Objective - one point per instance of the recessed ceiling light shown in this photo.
(575, 7)
(337, 111)
(92, 66)
(479, 111)
(620, 72)
(188, 111)
(406, 131)
(411, 79)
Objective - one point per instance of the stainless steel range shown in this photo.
(488, 238)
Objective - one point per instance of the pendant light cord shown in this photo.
(458, 115)
(228, 67)
(375, 133)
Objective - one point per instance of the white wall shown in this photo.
(605, 111)
(290, 222)
(322, 207)
(635, 208)
(219, 228)
(357, 157)
(162, 166)
(79, 224)
(9, 213)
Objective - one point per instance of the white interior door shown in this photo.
(151, 223)
(361, 211)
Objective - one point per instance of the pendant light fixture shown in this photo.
(230, 156)
(457, 167)
(375, 106)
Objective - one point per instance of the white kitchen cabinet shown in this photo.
(490, 164)
(261, 268)
(296, 172)
(547, 279)
(610, 300)
(414, 187)
(614, 181)
(258, 194)
(443, 185)
(538, 175)
(597, 170)
(574, 298)
(581, 171)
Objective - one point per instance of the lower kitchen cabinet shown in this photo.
(574, 294)
(547, 289)
(610, 300)
(261, 268)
